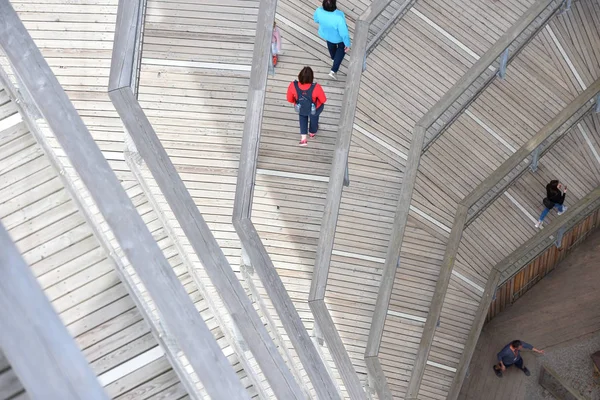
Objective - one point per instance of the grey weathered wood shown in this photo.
(204, 244)
(290, 319)
(185, 210)
(338, 351)
(392, 257)
(557, 386)
(126, 44)
(561, 124)
(380, 34)
(481, 66)
(437, 302)
(573, 216)
(261, 262)
(210, 296)
(172, 350)
(377, 377)
(177, 309)
(33, 338)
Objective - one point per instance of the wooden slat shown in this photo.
(178, 311)
(34, 340)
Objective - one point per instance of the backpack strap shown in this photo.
(297, 90)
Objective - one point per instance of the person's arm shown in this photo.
(277, 35)
(343, 31)
(316, 16)
(319, 96)
(291, 93)
(502, 367)
(530, 347)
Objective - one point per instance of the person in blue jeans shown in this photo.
(511, 355)
(555, 197)
(333, 28)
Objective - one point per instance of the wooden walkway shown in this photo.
(193, 86)
(75, 272)
(547, 322)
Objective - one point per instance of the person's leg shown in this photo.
(544, 213)
(303, 129)
(332, 47)
(339, 57)
(314, 121)
(519, 364)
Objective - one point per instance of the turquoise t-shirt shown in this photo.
(332, 26)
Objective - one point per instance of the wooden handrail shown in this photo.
(572, 217)
(155, 272)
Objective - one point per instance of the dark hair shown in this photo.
(306, 75)
(516, 344)
(554, 184)
(329, 5)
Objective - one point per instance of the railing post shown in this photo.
(346, 176)
(535, 158)
(597, 108)
(559, 237)
(503, 64)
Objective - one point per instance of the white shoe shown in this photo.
(333, 75)
(539, 224)
(564, 209)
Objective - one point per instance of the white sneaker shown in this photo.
(564, 209)
(333, 75)
(539, 224)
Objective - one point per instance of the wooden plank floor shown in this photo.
(548, 322)
(74, 270)
(76, 40)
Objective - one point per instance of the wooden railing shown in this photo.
(427, 129)
(519, 279)
(178, 313)
(523, 255)
(190, 219)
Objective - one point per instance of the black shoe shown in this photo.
(497, 371)
(527, 373)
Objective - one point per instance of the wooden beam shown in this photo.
(204, 244)
(377, 376)
(33, 338)
(126, 44)
(179, 314)
(572, 217)
(72, 184)
(425, 129)
(480, 75)
(185, 210)
(390, 23)
(499, 180)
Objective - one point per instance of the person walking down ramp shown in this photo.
(555, 192)
(309, 100)
(333, 28)
(275, 43)
(511, 355)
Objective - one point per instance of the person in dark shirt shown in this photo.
(555, 197)
(511, 355)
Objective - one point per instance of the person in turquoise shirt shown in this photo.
(333, 28)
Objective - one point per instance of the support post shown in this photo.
(503, 64)
(33, 338)
(346, 176)
(535, 158)
(559, 237)
(597, 107)
(179, 313)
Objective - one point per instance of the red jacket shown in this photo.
(318, 95)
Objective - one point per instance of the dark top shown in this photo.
(555, 195)
(508, 357)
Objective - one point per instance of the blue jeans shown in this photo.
(547, 210)
(314, 121)
(337, 53)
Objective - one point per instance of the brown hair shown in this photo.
(306, 75)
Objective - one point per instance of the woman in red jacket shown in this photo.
(308, 99)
